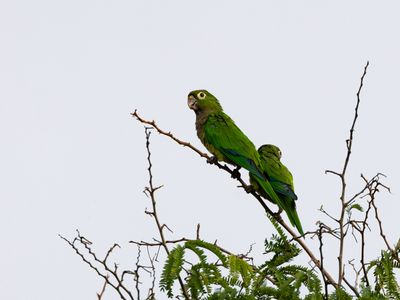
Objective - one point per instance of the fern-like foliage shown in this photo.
(384, 273)
(172, 269)
(240, 268)
(218, 275)
(340, 294)
(368, 294)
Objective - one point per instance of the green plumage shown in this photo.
(281, 181)
(220, 135)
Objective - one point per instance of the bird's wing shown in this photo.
(223, 134)
(282, 182)
(280, 177)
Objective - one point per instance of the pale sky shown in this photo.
(72, 157)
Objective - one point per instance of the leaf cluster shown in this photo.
(384, 269)
(218, 275)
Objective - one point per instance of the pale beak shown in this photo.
(192, 102)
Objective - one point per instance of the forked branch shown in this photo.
(342, 176)
(224, 167)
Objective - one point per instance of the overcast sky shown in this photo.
(72, 157)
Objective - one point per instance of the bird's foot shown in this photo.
(249, 188)
(235, 173)
(212, 160)
(277, 214)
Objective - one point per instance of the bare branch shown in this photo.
(183, 240)
(151, 191)
(198, 232)
(100, 295)
(104, 270)
(151, 293)
(321, 209)
(168, 134)
(342, 176)
(137, 280)
(321, 255)
(224, 167)
(373, 188)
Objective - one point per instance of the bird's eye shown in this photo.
(201, 95)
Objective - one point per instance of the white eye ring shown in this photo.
(201, 95)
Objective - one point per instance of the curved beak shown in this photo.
(192, 102)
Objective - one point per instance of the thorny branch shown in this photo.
(150, 191)
(103, 289)
(321, 255)
(370, 189)
(342, 176)
(116, 279)
(111, 276)
(373, 188)
(136, 272)
(343, 223)
(151, 294)
(362, 233)
(244, 256)
(168, 134)
(224, 167)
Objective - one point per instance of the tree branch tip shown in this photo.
(198, 231)
(333, 172)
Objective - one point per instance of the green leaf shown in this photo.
(172, 268)
(357, 207)
(210, 247)
(239, 266)
(340, 294)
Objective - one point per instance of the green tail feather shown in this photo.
(294, 219)
(285, 205)
(266, 186)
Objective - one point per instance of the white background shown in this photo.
(72, 157)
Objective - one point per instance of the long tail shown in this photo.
(266, 186)
(293, 217)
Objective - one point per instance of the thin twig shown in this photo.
(120, 287)
(372, 190)
(137, 276)
(151, 191)
(224, 167)
(183, 240)
(322, 260)
(344, 204)
(100, 295)
(342, 176)
(168, 134)
(362, 232)
(151, 293)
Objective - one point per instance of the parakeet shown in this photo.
(281, 181)
(220, 135)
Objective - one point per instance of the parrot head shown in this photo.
(268, 150)
(203, 101)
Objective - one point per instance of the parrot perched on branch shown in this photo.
(281, 181)
(220, 135)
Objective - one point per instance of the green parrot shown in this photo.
(220, 135)
(281, 181)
